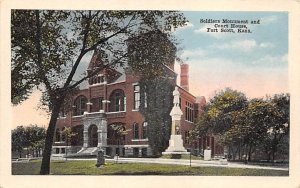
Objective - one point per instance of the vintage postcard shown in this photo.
(150, 94)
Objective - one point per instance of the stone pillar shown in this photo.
(89, 105)
(85, 136)
(102, 133)
(99, 131)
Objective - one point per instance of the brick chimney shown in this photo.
(184, 76)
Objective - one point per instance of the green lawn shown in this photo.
(88, 168)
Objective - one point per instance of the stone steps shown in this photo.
(89, 150)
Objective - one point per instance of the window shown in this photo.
(79, 106)
(144, 152)
(145, 100)
(145, 130)
(99, 79)
(117, 101)
(137, 97)
(108, 151)
(187, 137)
(63, 112)
(63, 135)
(135, 131)
(189, 112)
(97, 104)
(180, 102)
(136, 152)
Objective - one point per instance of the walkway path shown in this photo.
(187, 162)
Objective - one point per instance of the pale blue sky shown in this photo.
(254, 63)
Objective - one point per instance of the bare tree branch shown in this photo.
(97, 70)
(93, 47)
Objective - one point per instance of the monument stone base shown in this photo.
(175, 146)
(207, 155)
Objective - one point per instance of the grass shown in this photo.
(88, 168)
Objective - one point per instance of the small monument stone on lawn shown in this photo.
(100, 158)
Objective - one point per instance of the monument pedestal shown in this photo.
(207, 155)
(175, 146)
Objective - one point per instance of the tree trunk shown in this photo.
(249, 153)
(45, 167)
(239, 148)
(274, 147)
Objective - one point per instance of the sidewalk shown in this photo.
(195, 163)
(187, 162)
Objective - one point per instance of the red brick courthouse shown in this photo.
(113, 98)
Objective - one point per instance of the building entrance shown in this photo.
(93, 136)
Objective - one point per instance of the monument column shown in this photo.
(175, 142)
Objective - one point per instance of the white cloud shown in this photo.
(271, 60)
(241, 45)
(194, 53)
(187, 25)
(246, 45)
(269, 19)
(203, 30)
(266, 45)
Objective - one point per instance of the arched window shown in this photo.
(117, 101)
(145, 130)
(79, 106)
(135, 131)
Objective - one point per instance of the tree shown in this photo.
(156, 105)
(69, 134)
(245, 126)
(220, 114)
(119, 132)
(48, 47)
(31, 137)
(278, 131)
(155, 53)
(18, 140)
(221, 109)
(262, 124)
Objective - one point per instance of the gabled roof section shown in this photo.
(112, 74)
(95, 61)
